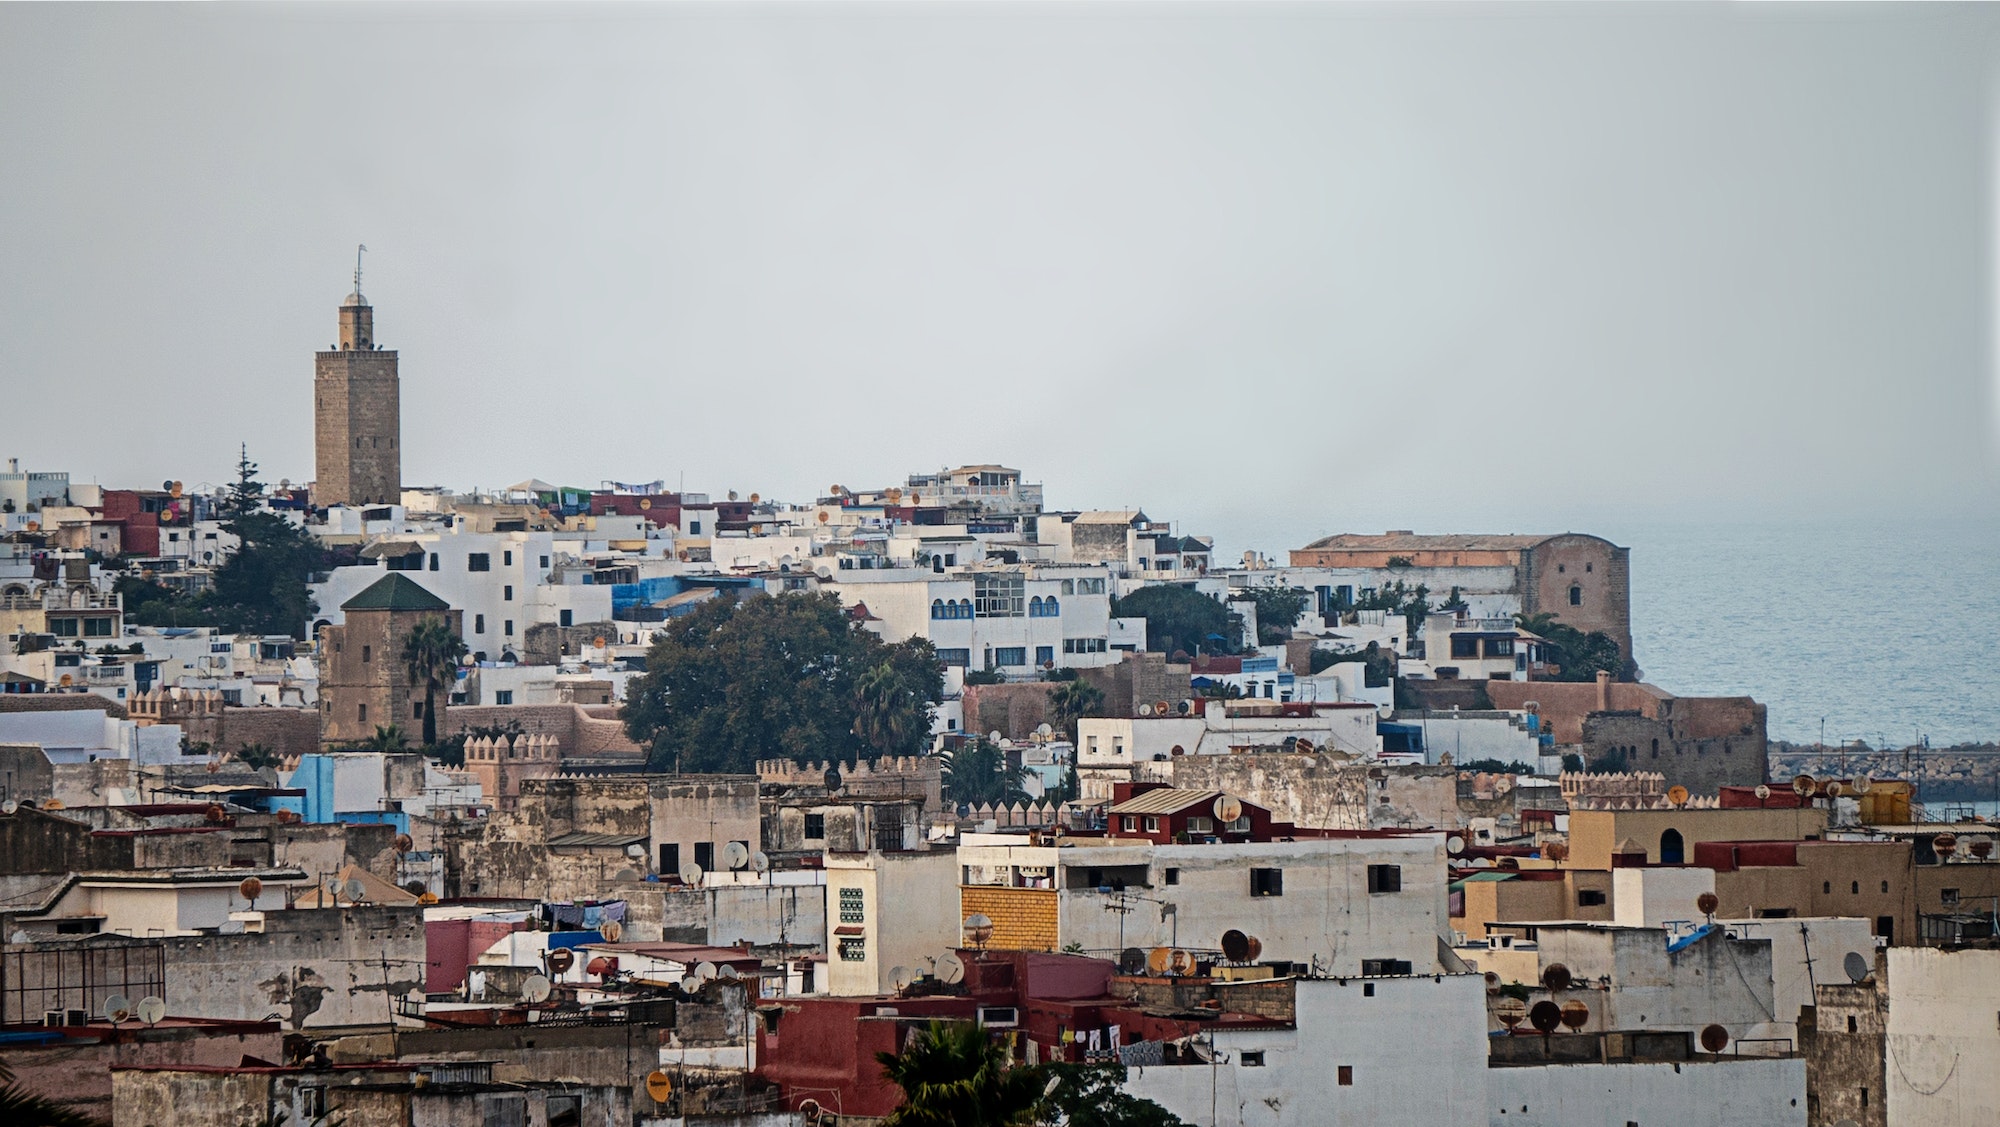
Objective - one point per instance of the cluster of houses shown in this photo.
(1379, 864)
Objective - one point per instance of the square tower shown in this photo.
(357, 414)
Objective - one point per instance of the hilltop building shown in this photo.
(357, 413)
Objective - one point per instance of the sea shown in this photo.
(1883, 631)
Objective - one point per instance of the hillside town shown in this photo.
(609, 804)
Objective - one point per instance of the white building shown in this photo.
(1943, 1041)
(1216, 727)
(84, 735)
(1014, 619)
(887, 910)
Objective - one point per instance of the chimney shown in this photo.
(1603, 691)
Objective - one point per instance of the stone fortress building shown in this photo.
(357, 413)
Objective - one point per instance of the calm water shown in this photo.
(1885, 631)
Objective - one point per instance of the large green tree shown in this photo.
(1278, 610)
(978, 774)
(1180, 618)
(1578, 656)
(779, 676)
(1093, 1095)
(1072, 701)
(954, 1074)
(431, 653)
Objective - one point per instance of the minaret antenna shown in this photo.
(357, 267)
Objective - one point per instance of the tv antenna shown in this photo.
(357, 268)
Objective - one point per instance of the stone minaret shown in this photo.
(357, 413)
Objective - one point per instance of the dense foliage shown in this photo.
(1072, 701)
(977, 774)
(1278, 610)
(1578, 656)
(1182, 619)
(431, 653)
(779, 676)
(1094, 1095)
(954, 1074)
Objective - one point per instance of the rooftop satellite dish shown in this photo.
(1180, 962)
(9, 806)
(151, 1009)
(250, 890)
(1043, 729)
(1556, 977)
(950, 968)
(1708, 902)
(1863, 784)
(994, 736)
(760, 862)
(1227, 809)
(704, 971)
(690, 873)
(405, 843)
(1678, 795)
(1235, 946)
(902, 976)
(355, 889)
(1834, 789)
(831, 779)
(659, 1085)
(727, 973)
(1714, 1038)
(334, 888)
(1945, 844)
(1145, 710)
(1763, 791)
(612, 931)
(1185, 707)
(536, 989)
(1545, 1016)
(690, 984)
(1856, 966)
(1305, 746)
(635, 851)
(1132, 960)
(736, 855)
(1804, 786)
(1980, 847)
(117, 1008)
(1454, 845)
(561, 959)
(1158, 959)
(1575, 1015)
(627, 873)
(1511, 1012)
(1492, 982)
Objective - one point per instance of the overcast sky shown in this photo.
(1269, 271)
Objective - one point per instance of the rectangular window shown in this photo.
(545, 563)
(1385, 878)
(694, 528)
(670, 859)
(1152, 825)
(312, 1102)
(852, 907)
(1347, 1076)
(704, 855)
(957, 659)
(479, 624)
(1267, 882)
(853, 950)
(1589, 898)
(563, 618)
(434, 561)
(1045, 655)
(1086, 645)
(367, 653)
(1239, 826)
(478, 561)
(509, 631)
(1198, 824)
(1010, 656)
(1948, 896)
(999, 595)
(565, 1111)
(1499, 647)
(361, 713)
(507, 593)
(1131, 824)
(1379, 967)
(63, 627)
(1252, 1059)
(503, 696)
(507, 559)
(97, 628)
(1462, 646)
(815, 827)
(1171, 876)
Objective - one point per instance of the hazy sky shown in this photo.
(1270, 271)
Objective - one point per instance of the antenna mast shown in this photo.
(357, 267)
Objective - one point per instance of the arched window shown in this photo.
(1673, 850)
(1051, 608)
(965, 608)
(1069, 587)
(1575, 595)
(1035, 607)
(937, 608)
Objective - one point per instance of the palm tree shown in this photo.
(390, 738)
(1072, 701)
(954, 1075)
(882, 710)
(431, 652)
(23, 1108)
(977, 774)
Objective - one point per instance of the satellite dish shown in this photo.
(626, 873)
(1305, 746)
(1145, 710)
(994, 736)
(1863, 784)
(1575, 1015)
(1714, 1038)
(704, 971)
(1981, 847)
(355, 889)
(1763, 791)
(536, 988)
(1454, 845)
(9, 806)
(690, 873)
(612, 931)
(736, 855)
(54, 803)
(1708, 902)
(151, 1009)
(1834, 789)
(1227, 809)
(1945, 844)
(1043, 729)
(760, 861)
(1678, 795)
(659, 1085)
(902, 976)
(831, 778)
(405, 843)
(1235, 946)
(1856, 966)
(1256, 948)
(333, 888)
(1804, 786)
(635, 851)
(1158, 959)
(1180, 962)
(1132, 960)
(250, 889)
(727, 973)
(1556, 977)
(117, 1008)
(950, 968)
(690, 984)
(1545, 1016)
(1511, 1012)
(561, 959)
(1492, 983)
